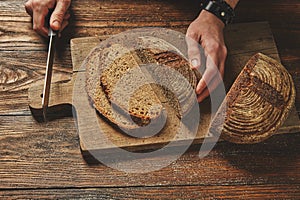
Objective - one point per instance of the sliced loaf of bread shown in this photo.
(258, 102)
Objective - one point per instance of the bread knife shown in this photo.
(50, 59)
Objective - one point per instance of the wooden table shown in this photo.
(44, 160)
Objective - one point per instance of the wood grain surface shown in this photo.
(175, 192)
(44, 160)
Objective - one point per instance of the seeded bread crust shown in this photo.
(258, 102)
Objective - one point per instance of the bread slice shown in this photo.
(126, 87)
(257, 104)
(94, 67)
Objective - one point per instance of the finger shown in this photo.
(28, 7)
(194, 53)
(65, 23)
(208, 90)
(58, 14)
(203, 95)
(39, 15)
(210, 72)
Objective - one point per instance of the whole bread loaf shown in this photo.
(257, 104)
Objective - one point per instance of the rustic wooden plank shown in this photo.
(37, 155)
(35, 158)
(179, 192)
(16, 78)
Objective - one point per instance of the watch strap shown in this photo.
(220, 9)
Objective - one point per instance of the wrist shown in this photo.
(211, 19)
(221, 9)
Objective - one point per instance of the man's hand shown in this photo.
(39, 9)
(207, 30)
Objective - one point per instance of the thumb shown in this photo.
(58, 14)
(194, 53)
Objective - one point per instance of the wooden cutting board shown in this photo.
(243, 41)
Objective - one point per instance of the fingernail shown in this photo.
(195, 62)
(199, 87)
(200, 99)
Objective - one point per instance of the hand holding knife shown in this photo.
(48, 16)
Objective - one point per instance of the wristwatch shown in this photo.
(221, 9)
